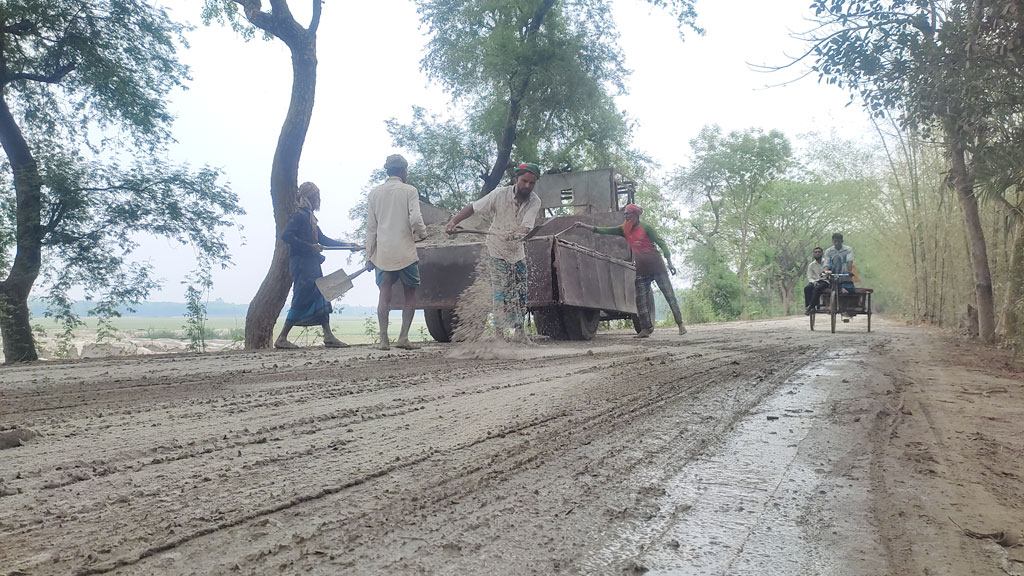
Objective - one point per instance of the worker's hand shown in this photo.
(317, 247)
(369, 265)
(451, 227)
(672, 269)
(513, 236)
(582, 225)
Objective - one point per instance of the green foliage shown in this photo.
(97, 211)
(88, 82)
(758, 211)
(952, 66)
(450, 158)
(197, 293)
(227, 13)
(106, 330)
(371, 329)
(717, 294)
(75, 66)
(539, 76)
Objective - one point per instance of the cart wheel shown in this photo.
(812, 320)
(580, 323)
(834, 308)
(869, 311)
(440, 323)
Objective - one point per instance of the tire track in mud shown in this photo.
(485, 458)
(494, 469)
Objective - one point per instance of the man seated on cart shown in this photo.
(838, 259)
(815, 279)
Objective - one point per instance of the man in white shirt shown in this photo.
(513, 213)
(814, 280)
(393, 224)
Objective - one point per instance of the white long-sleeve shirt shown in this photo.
(814, 269)
(393, 224)
(507, 216)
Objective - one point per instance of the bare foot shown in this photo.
(645, 333)
(384, 344)
(404, 344)
(284, 345)
(682, 329)
(335, 343)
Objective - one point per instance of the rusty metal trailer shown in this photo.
(576, 278)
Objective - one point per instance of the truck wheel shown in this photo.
(580, 323)
(440, 323)
(549, 323)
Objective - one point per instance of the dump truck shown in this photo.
(576, 279)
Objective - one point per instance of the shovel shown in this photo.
(336, 283)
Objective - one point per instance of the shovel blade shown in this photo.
(334, 285)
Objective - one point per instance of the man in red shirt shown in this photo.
(650, 266)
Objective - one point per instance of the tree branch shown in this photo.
(23, 28)
(254, 14)
(314, 23)
(52, 78)
(1009, 206)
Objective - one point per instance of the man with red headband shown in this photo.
(513, 213)
(650, 267)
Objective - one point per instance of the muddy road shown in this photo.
(745, 448)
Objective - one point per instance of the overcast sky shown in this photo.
(368, 72)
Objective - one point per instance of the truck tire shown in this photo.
(580, 323)
(549, 323)
(567, 322)
(440, 323)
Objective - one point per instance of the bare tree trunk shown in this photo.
(963, 186)
(517, 90)
(1012, 328)
(505, 144)
(266, 306)
(15, 324)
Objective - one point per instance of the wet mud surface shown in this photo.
(745, 448)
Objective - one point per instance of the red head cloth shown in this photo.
(634, 208)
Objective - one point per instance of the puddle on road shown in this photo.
(737, 509)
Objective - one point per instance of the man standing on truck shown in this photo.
(650, 267)
(513, 213)
(393, 224)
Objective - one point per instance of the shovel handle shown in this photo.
(352, 247)
(461, 230)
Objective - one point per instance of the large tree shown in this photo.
(83, 120)
(729, 177)
(279, 23)
(938, 65)
(534, 72)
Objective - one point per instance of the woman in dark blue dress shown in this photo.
(306, 242)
